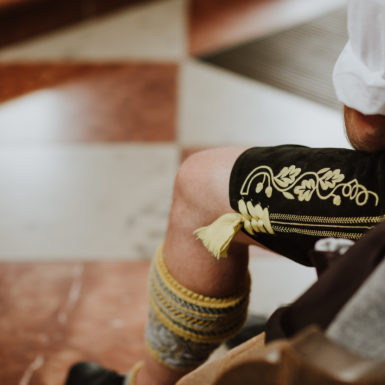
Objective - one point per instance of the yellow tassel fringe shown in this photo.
(217, 236)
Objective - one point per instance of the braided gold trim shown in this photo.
(321, 219)
(183, 313)
(159, 290)
(318, 233)
(323, 225)
(187, 335)
(177, 316)
(187, 295)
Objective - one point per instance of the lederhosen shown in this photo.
(296, 195)
(310, 194)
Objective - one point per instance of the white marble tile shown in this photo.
(222, 108)
(276, 281)
(154, 31)
(89, 202)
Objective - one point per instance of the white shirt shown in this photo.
(359, 74)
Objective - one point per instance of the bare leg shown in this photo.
(200, 196)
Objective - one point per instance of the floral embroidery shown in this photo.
(330, 178)
(305, 190)
(287, 175)
(325, 184)
(255, 218)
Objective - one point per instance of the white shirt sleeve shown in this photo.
(359, 74)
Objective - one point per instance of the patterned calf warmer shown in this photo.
(185, 327)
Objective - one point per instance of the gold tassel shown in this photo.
(217, 236)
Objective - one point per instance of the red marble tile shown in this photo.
(23, 19)
(31, 297)
(54, 314)
(87, 102)
(215, 24)
(109, 323)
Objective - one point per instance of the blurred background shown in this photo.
(100, 101)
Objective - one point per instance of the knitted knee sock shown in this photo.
(185, 327)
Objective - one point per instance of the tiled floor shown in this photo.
(218, 24)
(58, 313)
(69, 103)
(21, 19)
(155, 31)
(93, 122)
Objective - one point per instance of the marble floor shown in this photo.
(94, 121)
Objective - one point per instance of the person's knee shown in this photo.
(190, 179)
(201, 183)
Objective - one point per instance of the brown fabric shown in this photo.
(208, 374)
(309, 358)
(321, 303)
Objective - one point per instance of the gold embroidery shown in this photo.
(339, 226)
(255, 218)
(325, 184)
(258, 220)
(318, 233)
(325, 220)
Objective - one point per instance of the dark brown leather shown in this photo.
(310, 358)
(336, 285)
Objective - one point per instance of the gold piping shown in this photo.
(321, 219)
(317, 233)
(321, 225)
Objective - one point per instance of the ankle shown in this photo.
(153, 373)
(145, 378)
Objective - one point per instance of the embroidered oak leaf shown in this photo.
(305, 190)
(288, 195)
(331, 178)
(255, 218)
(287, 176)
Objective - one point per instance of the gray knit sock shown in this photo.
(360, 325)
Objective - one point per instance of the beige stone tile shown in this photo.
(276, 280)
(221, 108)
(93, 201)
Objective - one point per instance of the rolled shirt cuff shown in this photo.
(357, 86)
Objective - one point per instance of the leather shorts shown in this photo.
(295, 195)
